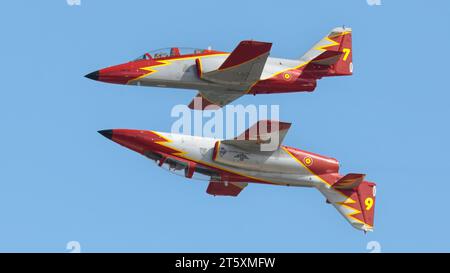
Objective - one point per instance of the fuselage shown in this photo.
(284, 166)
(248, 69)
(182, 71)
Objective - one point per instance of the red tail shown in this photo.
(331, 56)
(366, 195)
(356, 201)
(344, 65)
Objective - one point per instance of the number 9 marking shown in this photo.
(369, 203)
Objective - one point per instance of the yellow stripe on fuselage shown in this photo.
(182, 154)
(169, 62)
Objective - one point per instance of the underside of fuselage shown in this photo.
(231, 164)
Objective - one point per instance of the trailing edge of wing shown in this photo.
(213, 99)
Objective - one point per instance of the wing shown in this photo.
(225, 188)
(265, 135)
(213, 99)
(243, 66)
(237, 74)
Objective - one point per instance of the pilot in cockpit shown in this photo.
(175, 51)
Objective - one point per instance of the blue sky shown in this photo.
(61, 181)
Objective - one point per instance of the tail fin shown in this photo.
(331, 56)
(354, 199)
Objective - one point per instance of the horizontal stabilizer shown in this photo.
(349, 181)
(331, 56)
(327, 58)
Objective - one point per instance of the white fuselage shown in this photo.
(182, 73)
(276, 167)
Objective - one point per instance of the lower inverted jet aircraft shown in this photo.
(231, 164)
(222, 77)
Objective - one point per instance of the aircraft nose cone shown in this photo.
(106, 133)
(93, 76)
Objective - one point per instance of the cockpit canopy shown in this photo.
(171, 52)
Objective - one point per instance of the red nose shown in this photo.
(140, 141)
(137, 140)
(120, 74)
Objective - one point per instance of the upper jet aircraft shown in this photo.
(222, 77)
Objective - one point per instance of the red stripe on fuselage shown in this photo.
(126, 72)
(142, 141)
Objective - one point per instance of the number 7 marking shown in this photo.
(346, 51)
